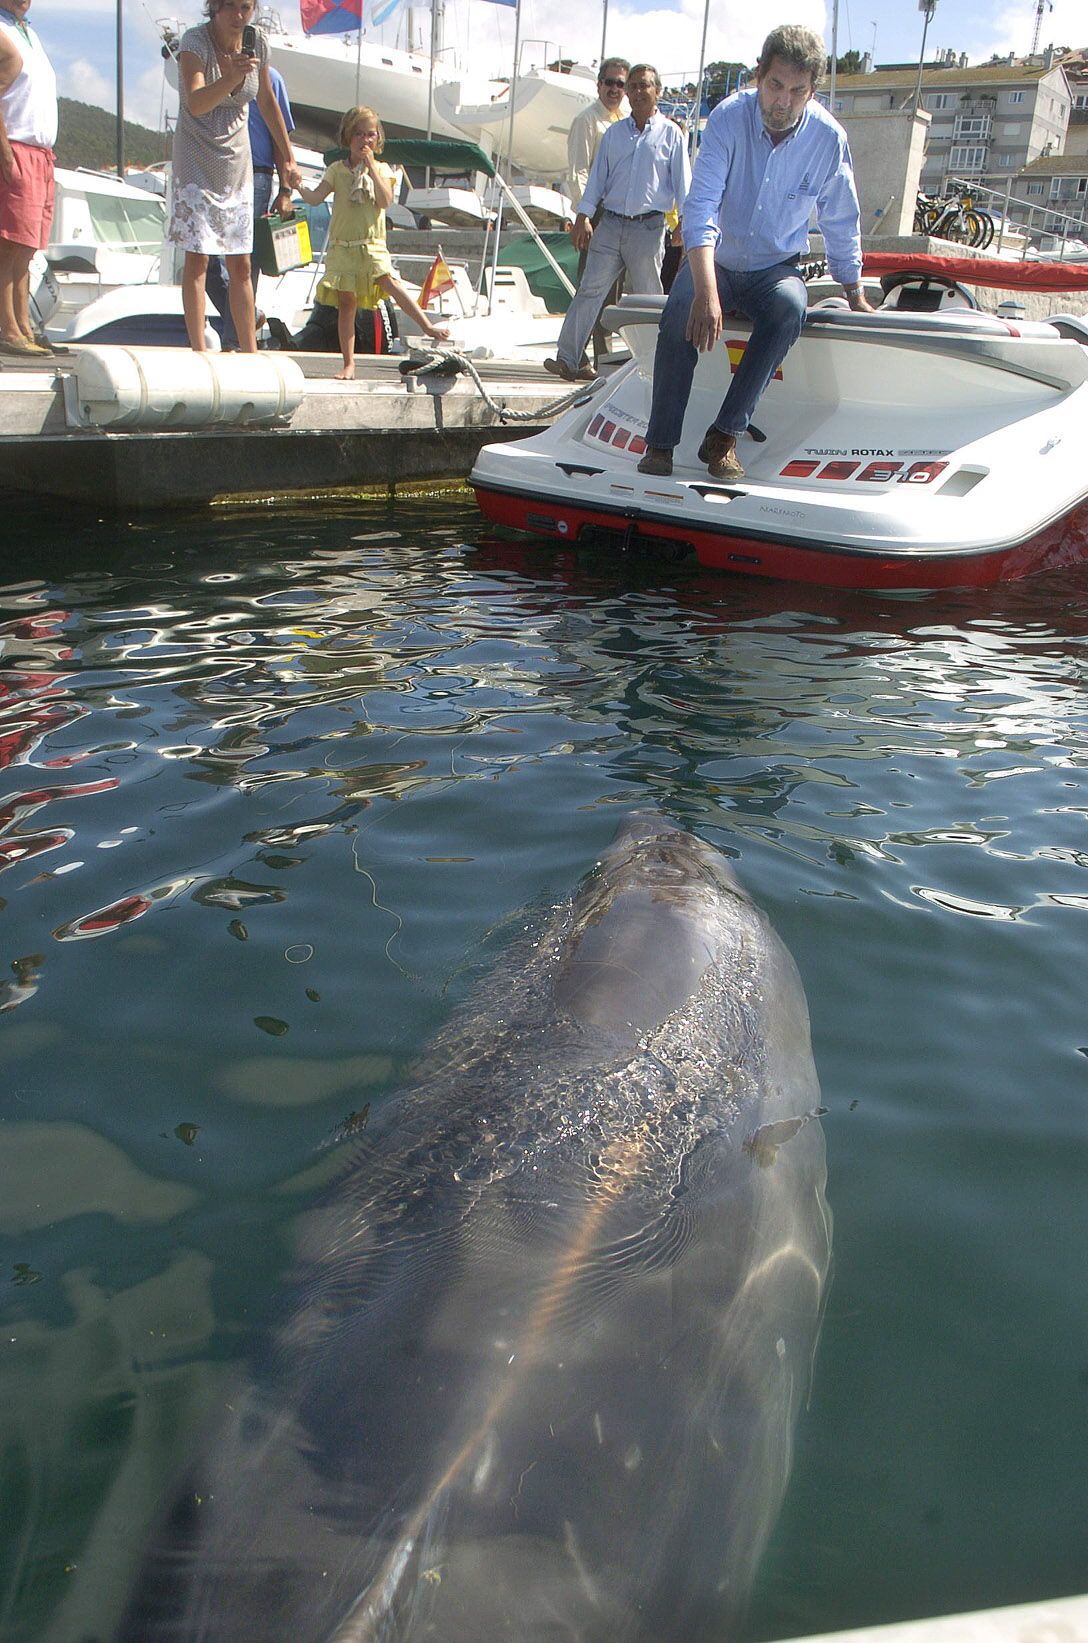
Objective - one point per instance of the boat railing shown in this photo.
(1033, 349)
(551, 52)
(646, 309)
(1062, 225)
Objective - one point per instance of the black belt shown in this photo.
(265, 170)
(643, 216)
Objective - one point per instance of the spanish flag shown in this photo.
(438, 279)
(735, 350)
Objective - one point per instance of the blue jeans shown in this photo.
(774, 299)
(216, 280)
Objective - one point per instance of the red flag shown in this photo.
(438, 279)
(330, 16)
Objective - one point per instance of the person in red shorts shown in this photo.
(28, 130)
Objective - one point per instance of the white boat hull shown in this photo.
(328, 73)
(545, 208)
(545, 103)
(453, 207)
(900, 450)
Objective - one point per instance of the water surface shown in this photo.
(276, 786)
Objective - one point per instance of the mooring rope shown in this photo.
(436, 359)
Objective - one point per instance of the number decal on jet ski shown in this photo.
(873, 473)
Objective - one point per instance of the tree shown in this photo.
(720, 79)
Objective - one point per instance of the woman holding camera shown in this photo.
(222, 66)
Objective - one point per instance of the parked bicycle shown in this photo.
(954, 218)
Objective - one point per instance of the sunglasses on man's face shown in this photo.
(617, 85)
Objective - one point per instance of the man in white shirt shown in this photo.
(28, 130)
(588, 127)
(640, 170)
(583, 141)
(769, 158)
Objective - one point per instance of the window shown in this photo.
(1006, 160)
(127, 225)
(967, 159)
(1056, 188)
(1016, 96)
(1035, 188)
(972, 125)
(938, 100)
(1081, 100)
(1013, 130)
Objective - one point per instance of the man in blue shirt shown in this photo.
(264, 169)
(639, 172)
(770, 156)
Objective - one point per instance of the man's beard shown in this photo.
(775, 121)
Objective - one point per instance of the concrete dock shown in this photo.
(383, 429)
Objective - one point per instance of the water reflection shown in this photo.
(372, 743)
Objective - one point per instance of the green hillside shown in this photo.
(88, 136)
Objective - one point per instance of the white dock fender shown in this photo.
(112, 386)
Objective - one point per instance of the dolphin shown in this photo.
(535, 1373)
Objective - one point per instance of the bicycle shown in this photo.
(954, 219)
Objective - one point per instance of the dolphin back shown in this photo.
(536, 1370)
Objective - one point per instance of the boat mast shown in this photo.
(699, 82)
(514, 90)
(438, 17)
(120, 96)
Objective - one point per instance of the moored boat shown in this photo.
(901, 449)
(545, 101)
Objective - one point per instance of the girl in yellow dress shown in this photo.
(358, 268)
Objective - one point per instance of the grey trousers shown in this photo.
(618, 246)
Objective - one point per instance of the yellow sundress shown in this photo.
(356, 255)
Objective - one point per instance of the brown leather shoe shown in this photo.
(658, 460)
(584, 373)
(719, 452)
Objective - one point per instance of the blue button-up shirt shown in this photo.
(260, 138)
(636, 171)
(752, 198)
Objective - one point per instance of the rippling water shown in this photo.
(274, 787)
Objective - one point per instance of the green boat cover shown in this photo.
(447, 155)
(526, 254)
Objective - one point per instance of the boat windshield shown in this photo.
(123, 224)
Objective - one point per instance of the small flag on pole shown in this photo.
(330, 16)
(438, 279)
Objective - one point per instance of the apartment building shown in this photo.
(1058, 187)
(1075, 64)
(987, 122)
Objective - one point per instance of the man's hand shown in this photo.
(582, 232)
(859, 302)
(290, 176)
(704, 325)
(282, 205)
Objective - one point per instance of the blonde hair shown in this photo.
(356, 117)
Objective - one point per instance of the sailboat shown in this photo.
(328, 68)
(328, 72)
(545, 102)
